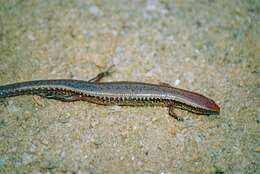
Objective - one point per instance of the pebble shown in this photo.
(179, 138)
(36, 172)
(257, 149)
(31, 36)
(27, 158)
(95, 11)
(12, 108)
(151, 5)
(2, 163)
(198, 139)
(45, 142)
(177, 82)
(116, 60)
(81, 172)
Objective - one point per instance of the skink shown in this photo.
(123, 93)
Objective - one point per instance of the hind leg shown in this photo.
(172, 113)
(102, 75)
(61, 96)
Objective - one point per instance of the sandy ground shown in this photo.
(208, 46)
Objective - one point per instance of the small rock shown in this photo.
(198, 139)
(27, 158)
(257, 149)
(95, 11)
(82, 172)
(36, 172)
(116, 60)
(33, 148)
(45, 142)
(177, 82)
(2, 163)
(12, 108)
(151, 5)
(31, 37)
